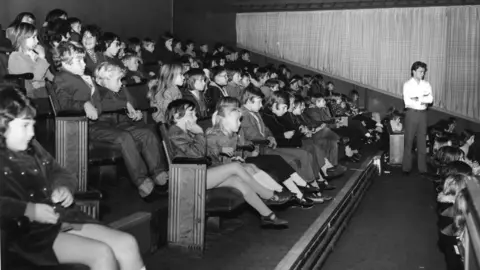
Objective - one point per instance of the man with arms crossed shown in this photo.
(417, 95)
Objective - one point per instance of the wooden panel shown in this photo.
(71, 147)
(186, 213)
(396, 149)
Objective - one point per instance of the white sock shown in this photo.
(328, 163)
(267, 181)
(293, 188)
(348, 151)
(298, 180)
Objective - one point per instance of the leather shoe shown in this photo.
(278, 199)
(303, 203)
(273, 222)
(324, 186)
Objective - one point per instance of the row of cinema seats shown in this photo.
(191, 206)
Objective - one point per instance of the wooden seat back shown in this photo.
(396, 145)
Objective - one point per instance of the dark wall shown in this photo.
(127, 18)
(205, 21)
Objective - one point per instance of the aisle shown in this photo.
(393, 228)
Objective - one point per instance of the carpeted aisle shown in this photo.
(394, 227)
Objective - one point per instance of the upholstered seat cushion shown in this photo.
(223, 199)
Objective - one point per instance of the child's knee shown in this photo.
(102, 255)
(127, 244)
(124, 137)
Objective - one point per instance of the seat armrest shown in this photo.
(187, 160)
(71, 114)
(88, 195)
(261, 142)
(142, 82)
(23, 76)
(248, 148)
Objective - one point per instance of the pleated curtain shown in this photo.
(376, 47)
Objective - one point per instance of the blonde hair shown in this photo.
(166, 78)
(225, 106)
(106, 71)
(20, 33)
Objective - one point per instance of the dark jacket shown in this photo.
(72, 92)
(91, 65)
(278, 130)
(213, 94)
(186, 144)
(201, 107)
(30, 177)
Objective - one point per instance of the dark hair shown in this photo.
(244, 52)
(231, 71)
(418, 65)
(261, 72)
(298, 100)
(180, 107)
(13, 104)
(133, 42)
(447, 154)
(216, 71)
(192, 76)
(330, 82)
(107, 39)
(353, 92)
(455, 167)
(20, 17)
(251, 92)
(148, 40)
(271, 83)
(278, 97)
(57, 30)
(189, 42)
(218, 45)
(54, 15)
(73, 20)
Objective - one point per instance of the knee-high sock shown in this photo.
(298, 180)
(293, 188)
(267, 181)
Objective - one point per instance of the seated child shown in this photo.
(110, 45)
(190, 48)
(29, 57)
(132, 63)
(148, 56)
(223, 139)
(37, 198)
(77, 91)
(216, 89)
(319, 113)
(396, 122)
(287, 134)
(189, 141)
(90, 38)
(194, 89)
(316, 134)
(169, 81)
(134, 45)
(255, 129)
(75, 29)
(234, 87)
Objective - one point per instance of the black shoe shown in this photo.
(405, 173)
(323, 186)
(273, 222)
(303, 203)
(278, 199)
(162, 190)
(155, 195)
(315, 198)
(309, 189)
(335, 172)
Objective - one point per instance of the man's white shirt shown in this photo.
(421, 90)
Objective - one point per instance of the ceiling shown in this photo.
(302, 5)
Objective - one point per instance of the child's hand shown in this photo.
(90, 111)
(193, 127)
(62, 195)
(136, 79)
(238, 159)
(228, 151)
(273, 142)
(289, 134)
(255, 153)
(132, 113)
(41, 213)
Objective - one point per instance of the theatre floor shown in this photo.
(393, 228)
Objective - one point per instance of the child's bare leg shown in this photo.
(250, 196)
(123, 245)
(217, 175)
(75, 249)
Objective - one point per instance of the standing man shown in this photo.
(417, 95)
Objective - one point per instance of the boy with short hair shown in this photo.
(133, 74)
(76, 91)
(255, 129)
(190, 48)
(76, 29)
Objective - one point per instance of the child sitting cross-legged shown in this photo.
(36, 199)
(189, 140)
(77, 91)
(224, 138)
